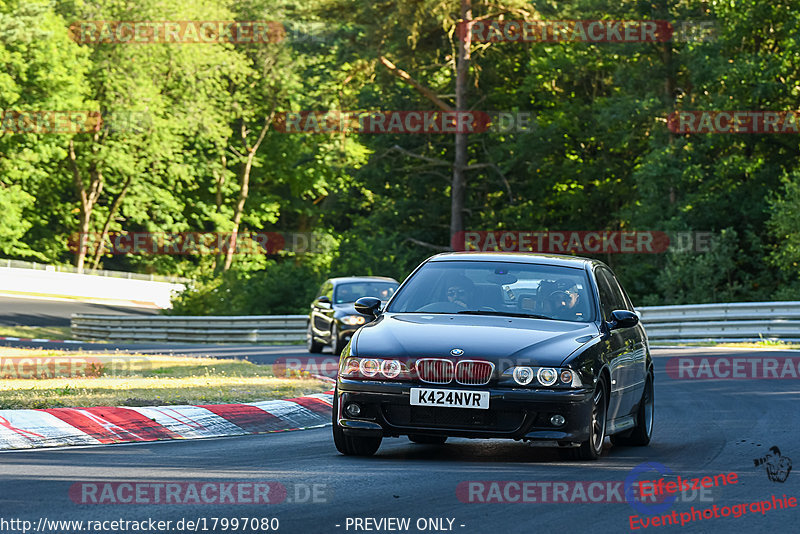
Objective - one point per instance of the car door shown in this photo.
(636, 340)
(322, 311)
(615, 348)
(625, 342)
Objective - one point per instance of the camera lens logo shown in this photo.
(631, 480)
(778, 467)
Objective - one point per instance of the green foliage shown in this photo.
(280, 288)
(598, 158)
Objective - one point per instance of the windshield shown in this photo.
(352, 291)
(498, 288)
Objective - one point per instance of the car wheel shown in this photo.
(427, 440)
(336, 345)
(592, 448)
(351, 445)
(312, 344)
(640, 435)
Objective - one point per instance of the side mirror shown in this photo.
(324, 301)
(623, 319)
(368, 306)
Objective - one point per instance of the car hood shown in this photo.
(527, 341)
(348, 308)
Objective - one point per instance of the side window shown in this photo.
(618, 296)
(607, 300)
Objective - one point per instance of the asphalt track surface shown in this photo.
(40, 312)
(702, 428)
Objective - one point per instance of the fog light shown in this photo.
(353, 409)
(558, 420)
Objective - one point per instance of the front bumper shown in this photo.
(515, 413)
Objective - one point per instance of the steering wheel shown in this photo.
(557, 302)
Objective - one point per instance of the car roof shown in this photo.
(341, 279)
(519, 257)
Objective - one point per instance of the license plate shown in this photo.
(450, 398)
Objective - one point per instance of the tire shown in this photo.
(312, 344)
(592, 448)
(351, 445)
(427, 440)
(640, 435)
(336, 345)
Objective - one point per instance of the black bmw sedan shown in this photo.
(529, 347)
(333, 317)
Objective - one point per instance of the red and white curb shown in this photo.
(57, 427)
(37, 340)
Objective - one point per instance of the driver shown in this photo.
(459, 290)
(344, 294)
(568, 301)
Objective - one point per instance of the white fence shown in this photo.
(109, 287)
(20, 264)
(731, 322)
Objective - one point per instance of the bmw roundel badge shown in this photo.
(457, 352)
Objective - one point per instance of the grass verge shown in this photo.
(36, 332)
(54, 379)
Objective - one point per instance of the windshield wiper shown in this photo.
(508, 314)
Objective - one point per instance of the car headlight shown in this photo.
(523, 375)
(390, 368)
(547, 376)
(373, 368)
(353, 320)
(544, 376)
(369, 367)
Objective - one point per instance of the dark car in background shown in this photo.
(333, 317)
(530, 347)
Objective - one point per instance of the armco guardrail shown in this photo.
(733, 321)
(728, 321)
(202, 329)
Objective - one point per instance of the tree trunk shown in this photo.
(88, 198)
(112, 211)
(244, 189)
(459, 185)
